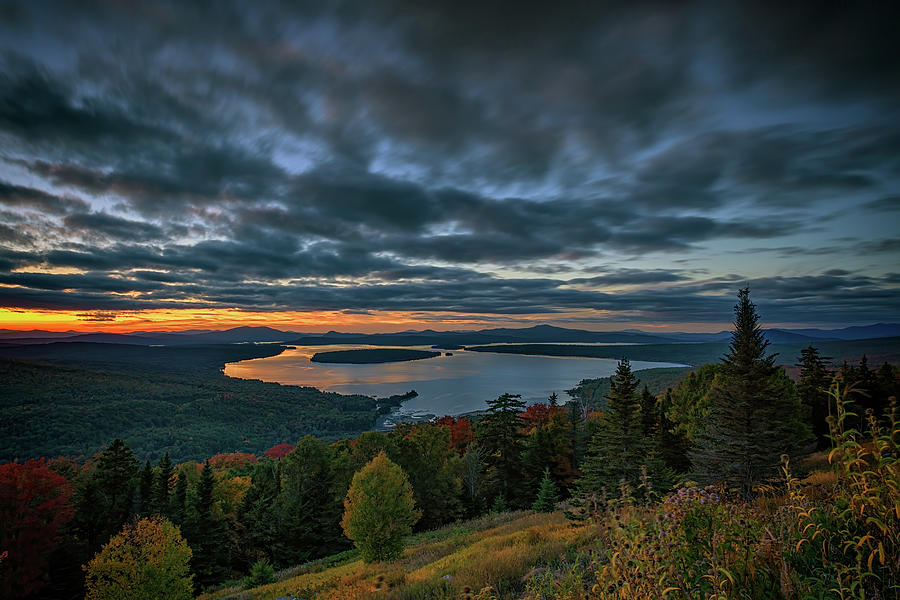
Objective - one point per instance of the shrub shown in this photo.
(261, 573)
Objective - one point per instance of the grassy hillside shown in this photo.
(834, 534)
(496, 551)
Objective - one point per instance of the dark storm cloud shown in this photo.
(104, 225)
(445, 156)
(17, 195)
(631, 277)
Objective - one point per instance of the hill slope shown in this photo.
(497, 551)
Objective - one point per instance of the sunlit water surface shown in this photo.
(447, 385)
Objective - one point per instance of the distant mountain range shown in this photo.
(536, 334)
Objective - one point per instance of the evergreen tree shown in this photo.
(306, 509)
(618, 448)
(104, 499)
(179, 500)
(498, 432)
(425, 455)
(473, 480)
(687, 404)
(206, 533)
(753, 415)
(160, 495)
(813, 391)
(499, 505)
(578, 437)
(553, 400)
(649, 414)
(888, 382)
(536, 458)
(547, 497)
(89, 522)
(259, 523)
(672, 445)
(116, 474)
(145, 490)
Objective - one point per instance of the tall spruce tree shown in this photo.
(618, 448)
(498, 432)
(145, 490)
(178, 504)
(754, 417)
(306, 508)
(813, 391)
(257, 513)
(160, 495)
(649, 414)
(104, 501)
(671, 443)
(206, 533)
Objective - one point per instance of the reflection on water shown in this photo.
(446, 384)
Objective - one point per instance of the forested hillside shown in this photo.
(59, 410)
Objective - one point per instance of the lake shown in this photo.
(447, 385)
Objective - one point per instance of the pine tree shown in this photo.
(499, 433)
(160, 495)
(618, 448)
(104, 500)
(649, 414)
(116, 473)
(672, 445)
(547, 497)
(306, 509)
(179, 500)
(257, 515)
(206, 533)
(813, 391)
(754, 414)
(145, 490)
(536, 458)
(90, 523)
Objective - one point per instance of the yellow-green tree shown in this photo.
(148, 560)
(379, 510)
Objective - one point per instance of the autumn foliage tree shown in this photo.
(279, 451)
(461, 433)
(379, 510)
(148, 559)
(34, 505)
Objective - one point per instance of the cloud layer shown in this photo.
(632, 164)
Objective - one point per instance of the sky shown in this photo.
(390, 165)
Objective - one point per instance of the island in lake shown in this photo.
(372, 355)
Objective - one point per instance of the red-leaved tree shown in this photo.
(34, 504)
(460, 431)
(279, 451)
(221, 462)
